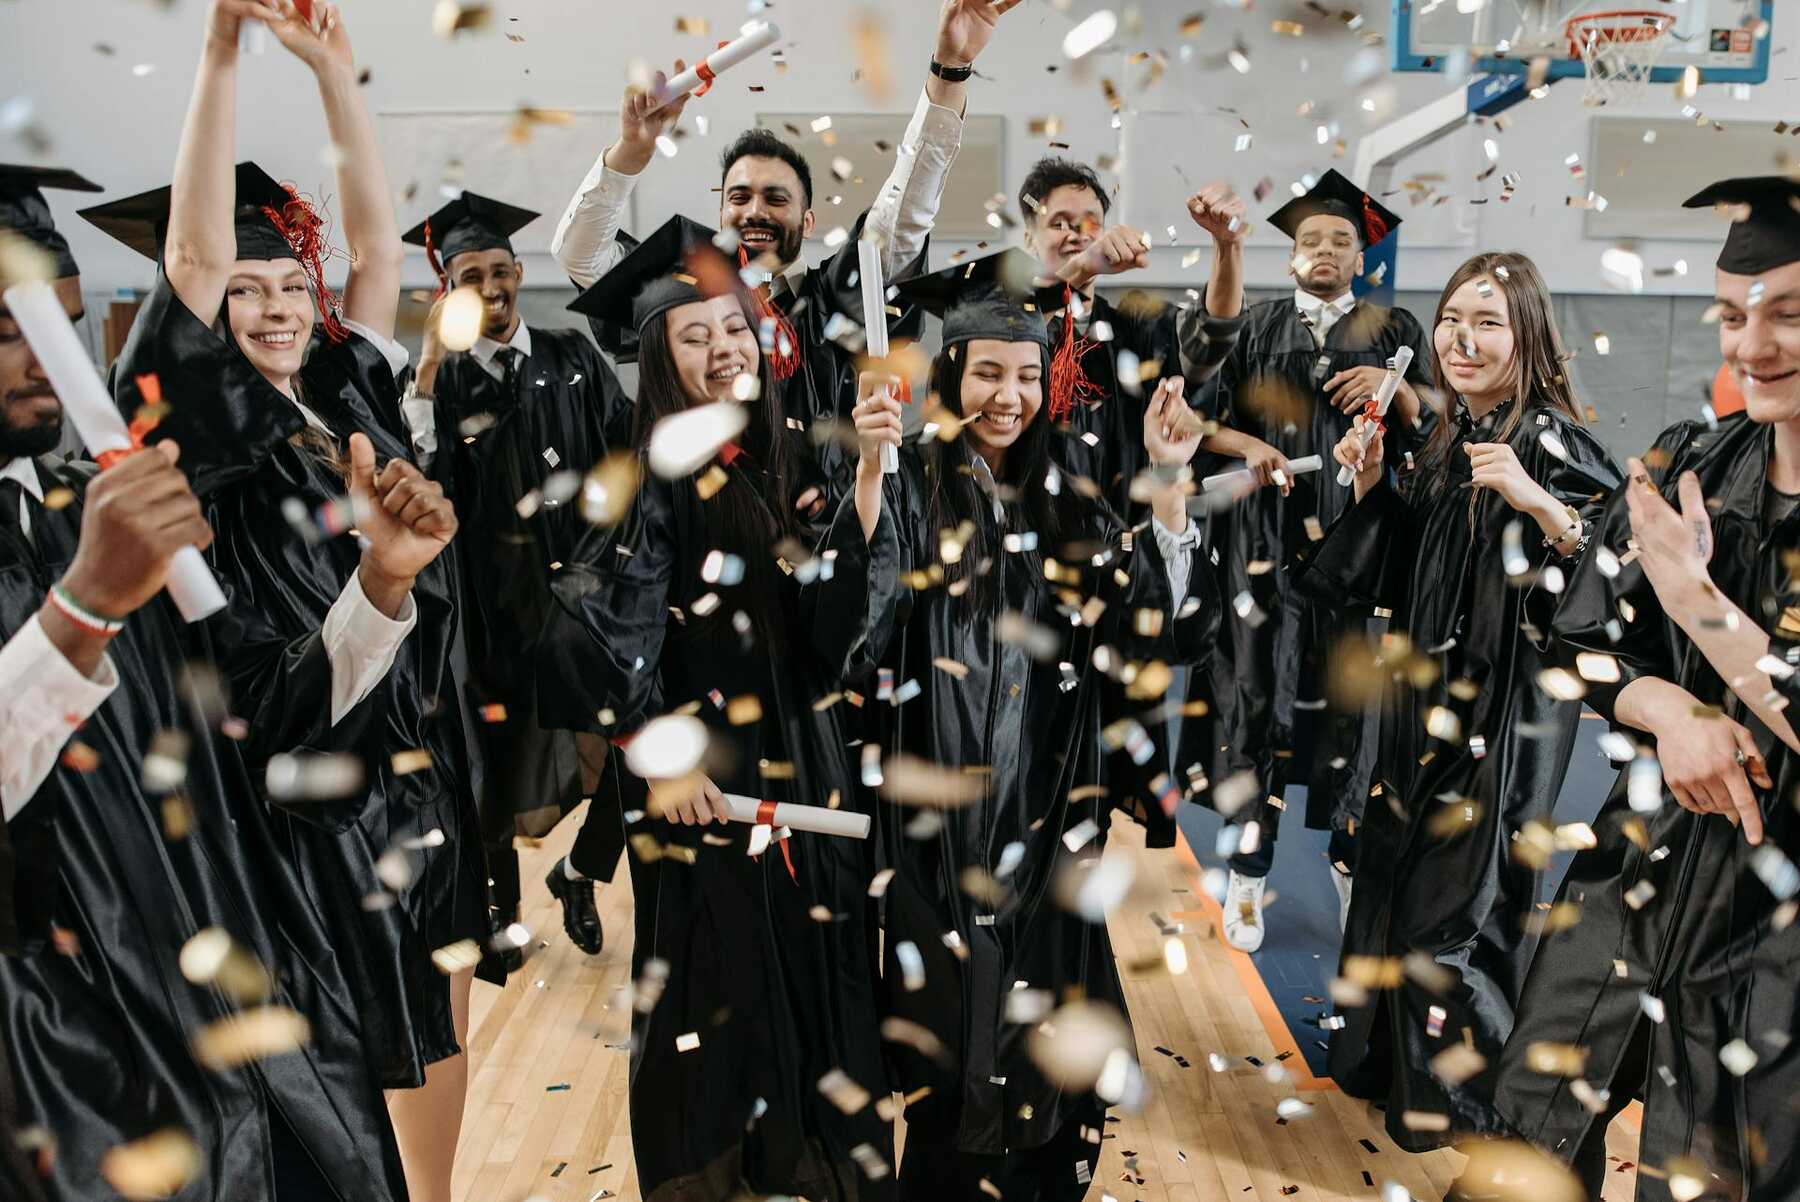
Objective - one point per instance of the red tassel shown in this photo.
(783, 350)
(1374, 228)
(1069, 384)
(304, 230)
(437, 267)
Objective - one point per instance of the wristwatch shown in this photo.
(952, 74)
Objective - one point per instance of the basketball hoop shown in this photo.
(1619, 50)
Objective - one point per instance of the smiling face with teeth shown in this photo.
(712, 343)
(496, 275)
(1002, 391)
(271, 312)
(765, 201)
(1759, 336)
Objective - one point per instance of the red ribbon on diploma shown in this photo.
(704, 70)
(765, 816)
(148, 414)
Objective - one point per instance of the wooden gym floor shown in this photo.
(547, 1115)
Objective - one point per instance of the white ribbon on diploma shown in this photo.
(815, 820)
(755, 40)
(97, 420)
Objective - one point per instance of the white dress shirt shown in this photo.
(420, 412)
(24, 469)
(1321, 315)
(587, 246)
(487, 350)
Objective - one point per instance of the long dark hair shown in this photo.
(953, 496)
(740, 517)
(1538, 375)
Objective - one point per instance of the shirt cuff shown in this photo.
(396, 355)
(420, 415)
(49, 699)
(361, 642)
(1172, 544)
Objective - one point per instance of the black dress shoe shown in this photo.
(581, 918)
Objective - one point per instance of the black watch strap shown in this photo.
(951, 74)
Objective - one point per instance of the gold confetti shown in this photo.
(405, 763)
(913, 781)
(1555, 1059)
(457, 957)
(211, 957)
(251, 1035)
(526, 119)
(693, 25)
(157, 1166)
(744, 710)
(944, 664)
(452, 17)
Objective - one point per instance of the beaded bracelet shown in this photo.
(89, 621)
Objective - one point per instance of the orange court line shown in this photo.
(1254, 988)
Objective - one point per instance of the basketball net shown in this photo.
(1620, 50)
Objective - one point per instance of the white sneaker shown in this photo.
(1343, 884)
(1244, 912)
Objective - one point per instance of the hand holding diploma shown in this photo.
(1377, 408)
(816, 820)
(97, 421)
(698, 79)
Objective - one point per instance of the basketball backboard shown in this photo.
(1727, 40)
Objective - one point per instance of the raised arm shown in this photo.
(586, 241)
(201, 246)
(366, 208)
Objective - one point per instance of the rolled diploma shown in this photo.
(96, 419)
(1384, 396)
(1296, 467)
(253, 37)
(875, 332)
(816, 820)
(759, 38)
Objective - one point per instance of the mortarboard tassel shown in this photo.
(1374, 228)
(784, 351)
(301, 225)
(437, 266)
(1068, 383)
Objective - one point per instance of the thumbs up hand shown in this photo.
(405, 521)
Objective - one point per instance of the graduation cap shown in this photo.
(1338, 197)
(24, 211)
(271, 220)
(1006, 297)
(676, 265)
(470, 222)
(1002, 296)
(1766, 231)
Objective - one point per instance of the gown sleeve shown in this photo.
(1580, 473)
(1365, 558)
(1608, 607)
(602, 643)
(857, 612)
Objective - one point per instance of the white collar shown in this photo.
(486, 348)
(23, 468)
(1306, 302)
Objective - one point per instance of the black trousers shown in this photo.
(601, 840)
(932, 1170)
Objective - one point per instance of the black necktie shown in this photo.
(510, 359)
(12, 497)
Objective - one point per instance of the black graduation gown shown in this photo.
(773, 970)
(1038, 741)
(97, 1017)
(1271, 387)
(1428, 884)
(1673, 905)
(496, 448)
(235, 433)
